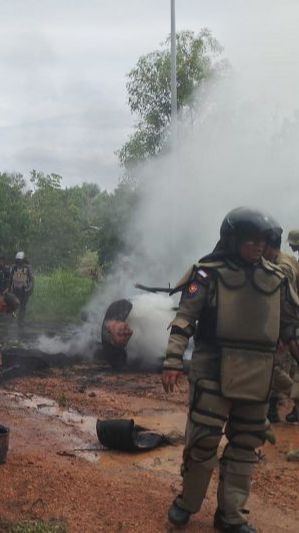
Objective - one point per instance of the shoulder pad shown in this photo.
(267, 266)
(268, 278)
(197, 273)
(232, 278)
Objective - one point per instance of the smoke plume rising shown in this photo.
(240, 149)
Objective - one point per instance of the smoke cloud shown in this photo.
(241, 148)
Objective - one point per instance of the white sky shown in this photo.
(63, 68)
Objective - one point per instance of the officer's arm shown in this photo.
(290, 273)
(183, 326)
(289, 320)
(11, 278)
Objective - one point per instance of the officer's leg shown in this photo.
(293, 416)
(245, 431)
(207, 416)
(22, 310)
(281, 385)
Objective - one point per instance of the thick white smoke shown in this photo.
(240, 149)
(149, 319)
(236, 153)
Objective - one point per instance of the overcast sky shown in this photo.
(63, 66)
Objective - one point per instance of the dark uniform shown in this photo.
(4, 278)
(21, 284)
(236, 312)
(4, 274)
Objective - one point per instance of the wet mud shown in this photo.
(57, 469)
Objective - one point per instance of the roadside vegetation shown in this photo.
(59, 296)
(33, 526)
(72, 235)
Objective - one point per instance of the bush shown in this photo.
(59, 296)
(89, 266)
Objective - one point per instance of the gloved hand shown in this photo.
(170, 379)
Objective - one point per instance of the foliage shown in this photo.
(56, 229)
(149, 90)
(59, 296)
(114, 214)
(89, 265)
(57, 226)
(33, 526)
(15, 221)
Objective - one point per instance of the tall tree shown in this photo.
(111, 216)
(56, 237)
(15, 221)
(149, 90)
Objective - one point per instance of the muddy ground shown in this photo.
(56, 469)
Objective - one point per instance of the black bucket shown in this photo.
(4, 439)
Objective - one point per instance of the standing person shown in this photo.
(21, 283)
(285, 366)
(9, 304)
(293, 416)
(237, 306)
(293, 240)
(4, 274)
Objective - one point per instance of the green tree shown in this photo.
(149, 90)
(111, 216)
(56, 236)
(15, 221)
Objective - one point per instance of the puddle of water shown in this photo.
(83, 441)
(163, 421)
(47, 408)
(50, 408)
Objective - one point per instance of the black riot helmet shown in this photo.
(241, 224)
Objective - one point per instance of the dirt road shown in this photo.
(56, 470)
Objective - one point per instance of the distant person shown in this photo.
(21, 283)
(293, 240)
(9, 303)
(4, 274)
(286, 372)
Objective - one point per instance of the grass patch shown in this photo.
(33, 526)
(59, 296)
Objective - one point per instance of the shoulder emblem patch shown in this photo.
(193, 288)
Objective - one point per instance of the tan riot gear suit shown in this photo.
(293, 237)
(286, 371)
(236, 315)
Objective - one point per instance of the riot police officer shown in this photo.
(293, 239)
(284, 366)
(21, 283)
(236, 305)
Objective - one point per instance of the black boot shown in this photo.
(178, 516)
(292, 417)
(272, 412)
(221, 525)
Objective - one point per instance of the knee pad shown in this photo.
(202, 448)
